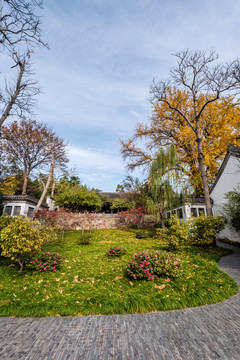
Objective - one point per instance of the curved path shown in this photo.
(207, 332)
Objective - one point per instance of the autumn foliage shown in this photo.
(220, 127)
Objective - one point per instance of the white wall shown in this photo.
(229, 179)
(24, 207)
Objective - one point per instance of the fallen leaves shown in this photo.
(161, 287)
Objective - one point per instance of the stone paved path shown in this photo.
(208, 332)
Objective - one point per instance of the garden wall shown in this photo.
(87, 221)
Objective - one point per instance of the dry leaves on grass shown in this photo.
(161, 287)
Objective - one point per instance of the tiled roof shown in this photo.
(22, 198)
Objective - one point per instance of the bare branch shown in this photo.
(20, 23)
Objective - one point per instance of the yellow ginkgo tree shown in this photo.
(196, 110)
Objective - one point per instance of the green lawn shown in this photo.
(90, 283)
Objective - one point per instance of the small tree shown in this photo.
(78, 198)
(22, 238)
(163, 171)
(31, 145)
(132, 217)
(176, 234)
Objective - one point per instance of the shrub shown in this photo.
(231, 210)
(132, 217)
(115, 252)
(141, 235)
(23, 237)
(203, 230)
(45, 262)
(176, 233)
(152, 265)
(133, 226)
(85, 239)
(5, 220)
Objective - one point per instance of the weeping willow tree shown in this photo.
(164, 174)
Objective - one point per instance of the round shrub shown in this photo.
(152, 265)
(85, 239)
(141, 234)
(45, 262)
(115, 252)
(23, 237)
(204, 229)
(176, 233)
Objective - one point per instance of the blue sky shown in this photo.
(103, 56)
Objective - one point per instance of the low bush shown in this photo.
(204, 229)
(45, 262)
(141, 235)
(85, 239)
(115, 252)
(23, 237)
(133, 226)
(152, 265)
(176, 233)
(5, 220)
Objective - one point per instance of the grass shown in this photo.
(90, 283)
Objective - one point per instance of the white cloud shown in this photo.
(94, 160)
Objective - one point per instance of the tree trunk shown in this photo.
(18, 88)
(20, 264)
(53, 186)
(204, 178)
(162, 217)
(25, 181)
(46, 187)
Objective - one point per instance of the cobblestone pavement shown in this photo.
(207, 332)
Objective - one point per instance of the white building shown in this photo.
(20, 205)
(189, 208)
(227, 178)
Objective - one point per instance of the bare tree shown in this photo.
(20, 24)
(58, 160)
(30, 145)
(19, 31)
(196, 74)
(18, 97)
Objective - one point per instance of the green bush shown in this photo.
(231, 210)
(133, 226)
(141, 234)
(152, 265)
(115, 252)
(23, 237)
(45, 262)
(176, 233)
(204, 229)
(85, 239)
(5, 220)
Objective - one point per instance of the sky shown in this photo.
(103, 56)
